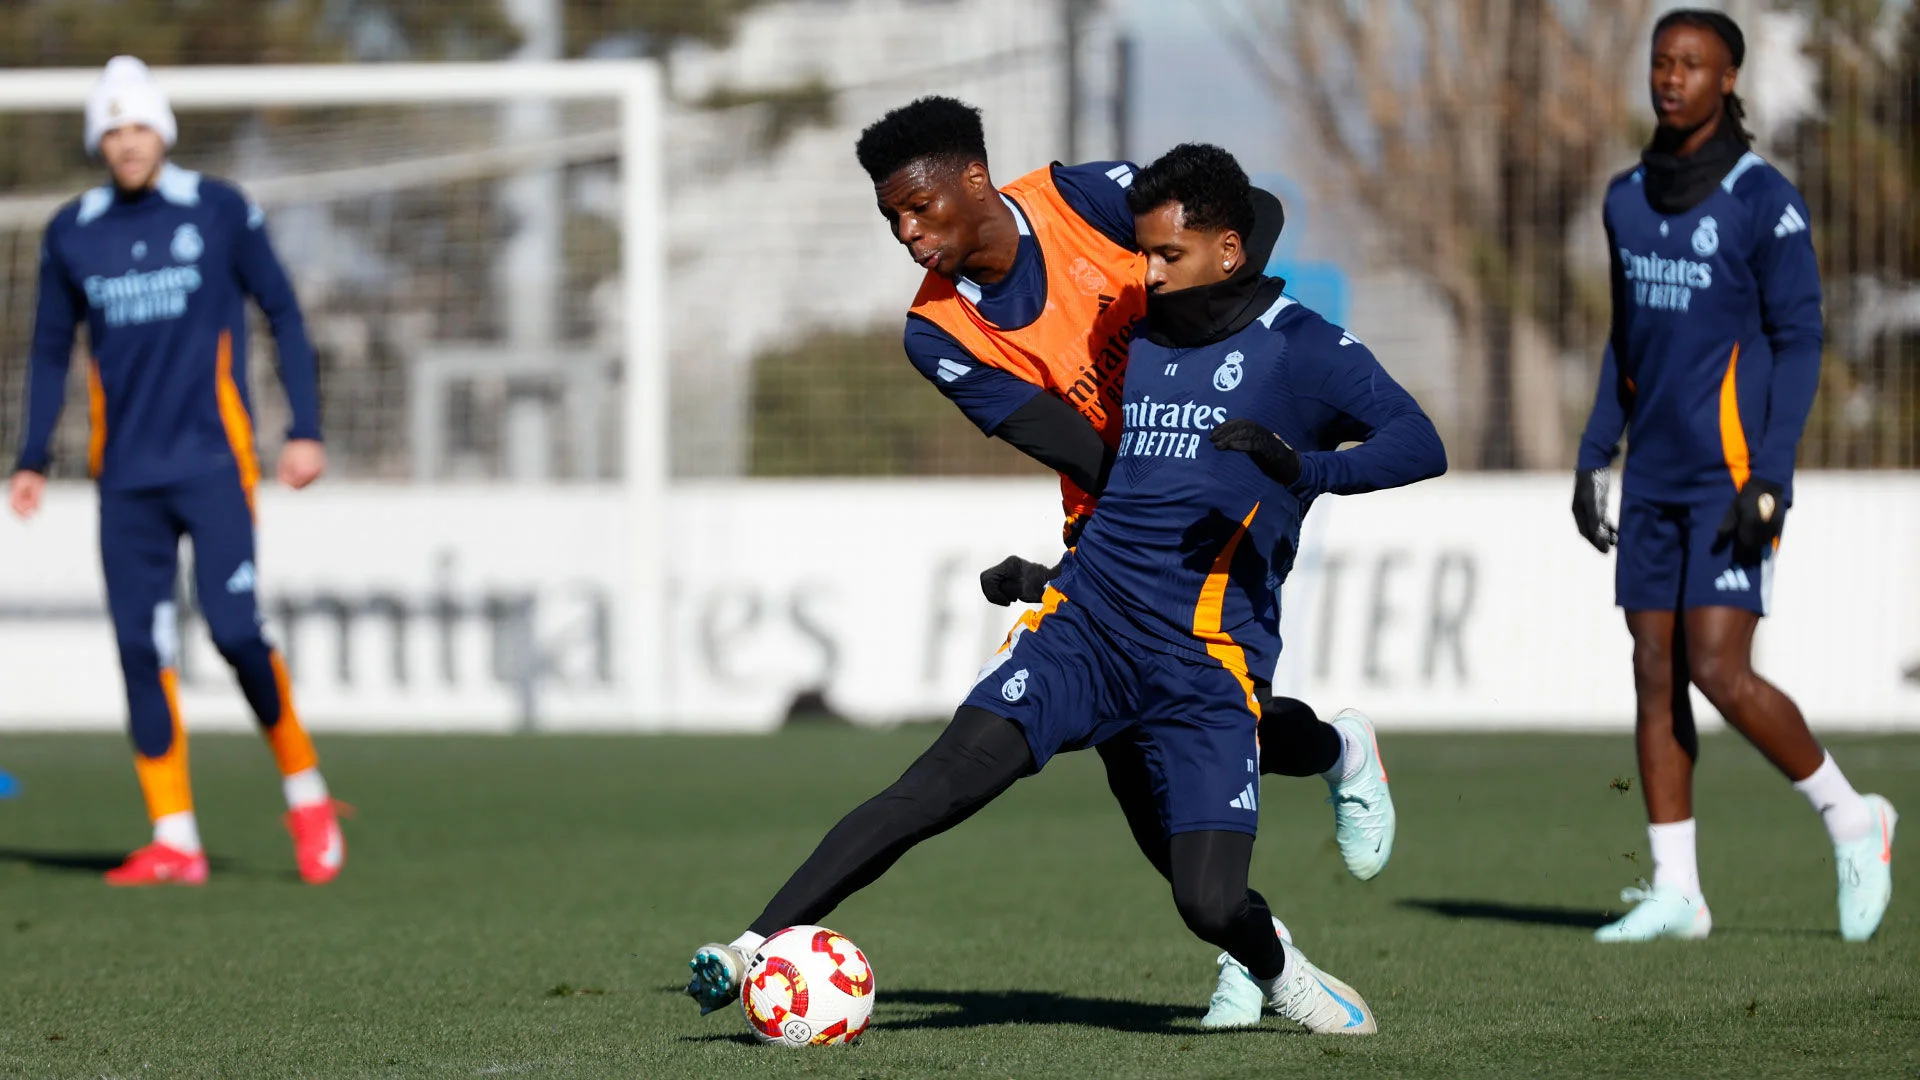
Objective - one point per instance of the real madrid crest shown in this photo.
(1706, 237)
(187, 245)
(1227, 375)
(1015, 688)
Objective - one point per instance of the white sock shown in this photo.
(1673, 857)
(1846, 815)
(178, 831)
(748, 943)
(1353, 758)
(304, 788)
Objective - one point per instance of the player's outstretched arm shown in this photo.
(1401, 446)
(1054, 433)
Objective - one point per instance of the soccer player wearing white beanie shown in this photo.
(126, 94)
(159, 264)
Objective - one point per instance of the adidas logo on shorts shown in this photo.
(1733, 579)
(1248, 799)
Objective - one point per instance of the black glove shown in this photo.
(1590, 508)
(1754, 520)
(1014, 578)
(1269, 451)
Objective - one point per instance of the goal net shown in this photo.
(476, 250)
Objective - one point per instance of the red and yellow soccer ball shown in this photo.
(807, 986)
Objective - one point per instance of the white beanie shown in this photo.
(127, 94)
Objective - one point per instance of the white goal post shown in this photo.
(640, 653)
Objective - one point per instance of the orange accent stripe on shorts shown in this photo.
(1733, 437)
(233, 417)
(164, 779)
(292, 747)
(96, 420)
(1050, 602)
(1207, 615)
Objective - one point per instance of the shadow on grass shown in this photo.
(1496, 911)
(97, 862)
(946, 1010)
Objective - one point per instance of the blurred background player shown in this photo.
(1023, 322)
(1164, 607)
(1711, 370)
(160, 261)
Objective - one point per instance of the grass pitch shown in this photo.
(527, 905)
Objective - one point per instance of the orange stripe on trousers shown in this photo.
(234, 418)
(292, 748)
(164, 780)
(96, 420)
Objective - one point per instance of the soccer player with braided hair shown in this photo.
(1710, 372)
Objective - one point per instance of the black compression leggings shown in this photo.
(977, 757)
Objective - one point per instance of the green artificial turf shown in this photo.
(526, 906)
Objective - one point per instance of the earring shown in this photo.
(1226, 266)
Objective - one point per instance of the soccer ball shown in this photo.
(807, 986)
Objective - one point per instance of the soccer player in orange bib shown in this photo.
(1031, 295)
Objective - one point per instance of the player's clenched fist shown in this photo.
(1268, 450)
(301, 462)
(28, 486)
(1014, 578)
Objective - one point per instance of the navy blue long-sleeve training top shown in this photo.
(1714, 355)
(162, 279)
(1191, 544)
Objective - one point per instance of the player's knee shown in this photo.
(153, 736)
(1719, 676)
(1652, 664)
(1208, 910)
(138, 651)
(241, 643)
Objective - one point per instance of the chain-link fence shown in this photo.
(1459, 146)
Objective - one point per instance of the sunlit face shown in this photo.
(935, 211)
(1691, 73)
(1182, 258)
(134, 154)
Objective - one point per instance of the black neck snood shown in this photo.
(1674, 184)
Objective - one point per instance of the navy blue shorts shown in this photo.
(1064, 678)
(1670, 560)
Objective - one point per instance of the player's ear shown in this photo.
(1232, 253)
(1727, 80)
(977, 181)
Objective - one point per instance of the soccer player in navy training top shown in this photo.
(1167, 606)
(1023, 321)
(159, 263)
(1710, 371)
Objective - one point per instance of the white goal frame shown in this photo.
(636, 85)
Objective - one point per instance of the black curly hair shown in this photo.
(1728, 31)
(930, 128)
(1205, 180)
